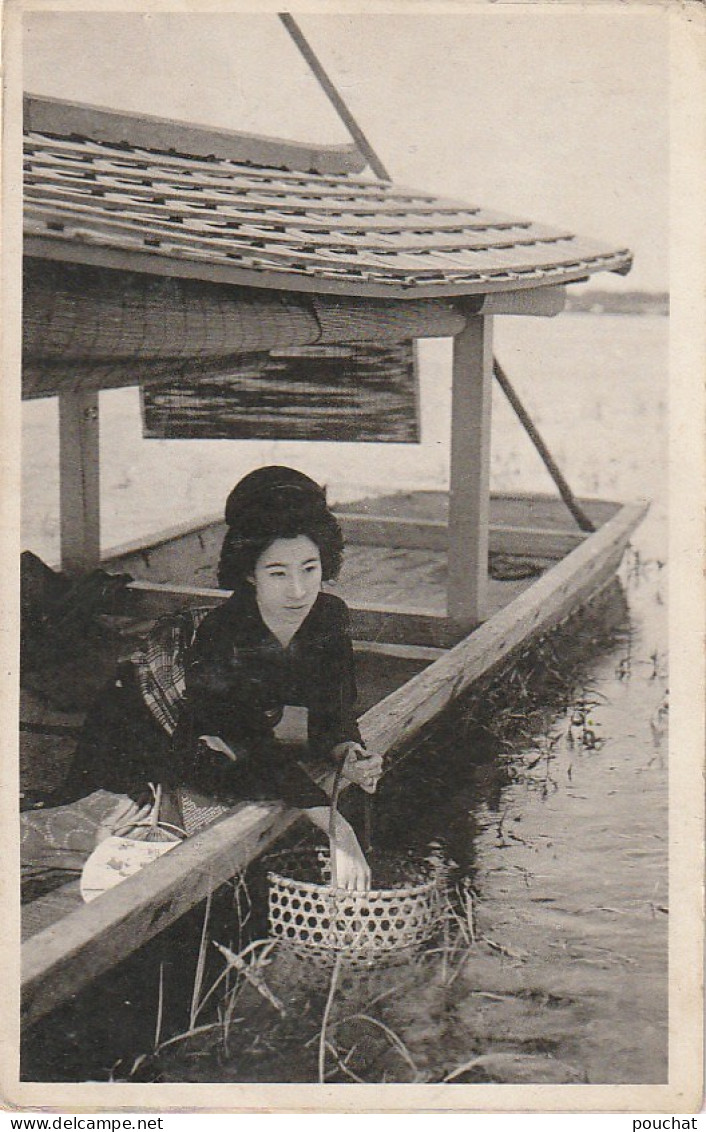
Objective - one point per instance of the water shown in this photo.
(569, 863)
(556, 831)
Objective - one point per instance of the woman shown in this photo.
(270, 675)
(269, 678)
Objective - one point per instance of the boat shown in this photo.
(156, 249)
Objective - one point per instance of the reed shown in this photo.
(200, 965)
(160, 1008)
(324, 1021)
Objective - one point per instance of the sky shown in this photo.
(557, 113)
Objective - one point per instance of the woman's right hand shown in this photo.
(351, 868)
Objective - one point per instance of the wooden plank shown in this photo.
(533, 542)
(178, 172)
(469, 489)
(39, 148)
(125, 229)
(219, 207)
(449, 243)
(510, 509)
(153, 598)
(217, 242)
(338, 211)
(205, 529)
(149, 175)
(545, 302)
(58, 196)
(369, 621)
(62, 959)
(82, 162)
(61, 116)
(232, 192)
(379, 530)
(183, 193)
(149, 180)
(506, 508)
(250, 216)
(424, 653)
(79, 481)
(432, 534)
(396, 625)
(47, 245)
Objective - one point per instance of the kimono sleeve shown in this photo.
(216, 700)
(333, 717)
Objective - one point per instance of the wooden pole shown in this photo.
(547, 459)
(79, 481)
(469, 494)
(334, 97)
(468, 537)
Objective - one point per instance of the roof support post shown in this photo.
(469, 494)
(79, 481)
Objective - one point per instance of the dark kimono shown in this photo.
(239, 679)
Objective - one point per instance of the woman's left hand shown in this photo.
(122, 819)
(360, 766)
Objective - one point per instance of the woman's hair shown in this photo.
(272, 503)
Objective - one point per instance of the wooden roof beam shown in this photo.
(151, 261)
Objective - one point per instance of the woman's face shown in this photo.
(287, 581)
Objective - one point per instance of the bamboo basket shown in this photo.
(318, 922)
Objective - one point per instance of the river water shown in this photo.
(546, 797)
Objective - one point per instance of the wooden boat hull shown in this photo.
(403, 607)
(61, 959)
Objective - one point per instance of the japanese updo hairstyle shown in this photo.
(272, 503)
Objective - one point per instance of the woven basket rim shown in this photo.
(321, 888)
(355, 893)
